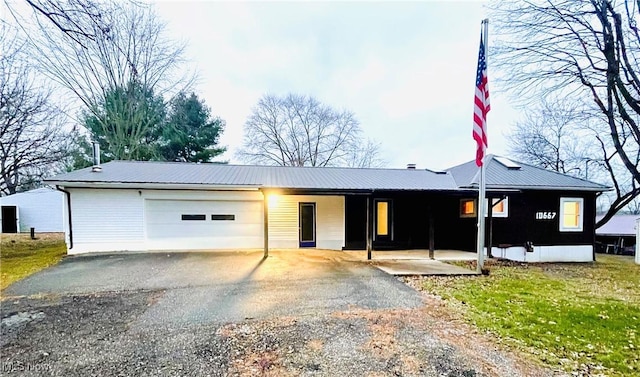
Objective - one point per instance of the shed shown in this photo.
(637, 235)
(42, 209)
(618, 235)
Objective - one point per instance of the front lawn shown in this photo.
(20, 256)
(580, 317)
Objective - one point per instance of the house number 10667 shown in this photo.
(545, 215)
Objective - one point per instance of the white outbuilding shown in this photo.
(638, 243)
(42, 209)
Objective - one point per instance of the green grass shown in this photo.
(20, 256)
(579, 317)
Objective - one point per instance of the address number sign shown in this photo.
(546, 215)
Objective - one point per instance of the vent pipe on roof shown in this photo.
(96, 158)
(411, 166)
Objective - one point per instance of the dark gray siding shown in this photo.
(411, 221)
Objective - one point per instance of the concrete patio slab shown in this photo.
(409, 267)
(442, 255)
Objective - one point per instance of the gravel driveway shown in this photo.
(303, 313)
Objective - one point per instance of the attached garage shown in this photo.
(150, 219)
(109, 219)
(203, 224)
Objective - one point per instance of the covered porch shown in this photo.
(417, 261)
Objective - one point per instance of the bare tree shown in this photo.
(585, 51)
(136, 48)
(297, 130)
(63, 15)
(32, 140)
(100, 51)
(546, 137)
(365, 154)
(626, 190)
(564, 138)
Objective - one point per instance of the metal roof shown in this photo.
(194, 175)
(38, 191)
(132, 173)
(618, 225)
(500, 176)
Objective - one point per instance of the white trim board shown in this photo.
(565, 253)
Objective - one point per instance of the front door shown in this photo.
(307, 224)
(383, 220)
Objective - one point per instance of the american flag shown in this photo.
(481, 107)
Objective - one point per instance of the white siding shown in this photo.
(202, 195)
(42, 209)
(106, 220)
(573, 253)
(638, 241)
(114, 220)
(283, 221)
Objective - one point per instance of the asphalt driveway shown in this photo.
(310, 313)
(226, 287)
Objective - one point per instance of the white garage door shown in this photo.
(199, 224)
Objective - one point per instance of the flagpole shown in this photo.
(481, 225)
(482, 188)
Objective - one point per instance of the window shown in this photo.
(223, 217)
(500, 207)
(382, 218)
(194, 217)
(571, 214)
(467, 207)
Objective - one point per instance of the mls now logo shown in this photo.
(18, 366)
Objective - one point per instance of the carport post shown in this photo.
(369, 232)
(431, 235)
(490, 215)
(265, 206)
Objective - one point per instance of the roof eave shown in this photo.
(197, 186)
(543, 188)
(150, 185)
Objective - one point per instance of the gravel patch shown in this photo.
(99, 334)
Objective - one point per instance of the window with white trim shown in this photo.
(571, 214)
(500, 207)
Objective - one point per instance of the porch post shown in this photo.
(431, 235)
(265, 206)
(490, 214)
(369, 232)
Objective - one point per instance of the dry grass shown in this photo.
(20, 256)
(583, 317)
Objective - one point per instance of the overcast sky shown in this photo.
(407, 70)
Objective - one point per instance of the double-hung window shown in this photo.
(571, 214)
